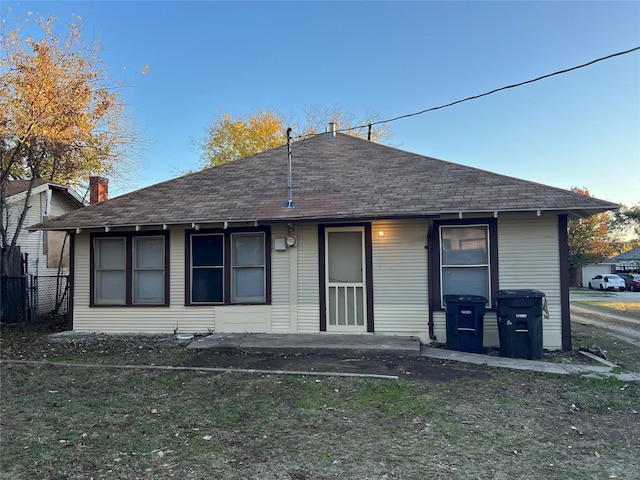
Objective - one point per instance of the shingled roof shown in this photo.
(337, 178)
(15, 187)
(15, 190)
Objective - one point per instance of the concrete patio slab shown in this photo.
(312, 343)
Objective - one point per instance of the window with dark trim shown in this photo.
(464, 259)
(229, 266)
(130, 269)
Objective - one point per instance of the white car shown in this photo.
(607, 282)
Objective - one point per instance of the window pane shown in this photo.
(207, 250)
(466, 281)
(110, 274)
(110, 286)
(248, 250)
(345, 257)
(110, 253)
(207, 285)
(464, 245)
(148, 286)
(149, 252)
(248, 284)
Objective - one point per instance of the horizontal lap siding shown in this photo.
(34, 243)
(138, 319)
(400, 278)
(280, 282)
(529, 259)
(308, 295)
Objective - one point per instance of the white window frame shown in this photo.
(486, 265)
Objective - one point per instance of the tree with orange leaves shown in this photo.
(588, 237)
(61, 119)
(229, 138)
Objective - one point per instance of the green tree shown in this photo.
(61, 119)
(230, 138)
(626, 223)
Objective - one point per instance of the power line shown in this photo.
(492, 91)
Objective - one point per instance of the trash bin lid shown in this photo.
(465, 299)
(519, 293)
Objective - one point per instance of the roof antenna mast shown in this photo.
(289, 203)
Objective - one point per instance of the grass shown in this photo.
(61, 422)
(616, 350)
(627, 309)
(577, 292)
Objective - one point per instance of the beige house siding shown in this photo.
(308, 274)
(177, 317)
(291, 280)
(528, 259)
(35, 244)
(400, 278)
(281, 262)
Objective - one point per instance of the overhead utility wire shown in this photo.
(492, 91)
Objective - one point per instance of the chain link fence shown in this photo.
(51, 295)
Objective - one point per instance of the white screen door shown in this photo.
(345, 274)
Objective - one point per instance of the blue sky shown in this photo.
(579, 129)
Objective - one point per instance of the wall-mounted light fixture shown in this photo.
(381, 233)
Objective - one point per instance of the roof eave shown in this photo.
(574, 213)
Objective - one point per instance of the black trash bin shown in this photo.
(465, 322)
(520, 323)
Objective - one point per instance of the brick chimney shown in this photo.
(98, 189)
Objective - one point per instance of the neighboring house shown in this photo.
(627, 261)
(375, 238)
(589, 271)
(46, 253)
(47, 200)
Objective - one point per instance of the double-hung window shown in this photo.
(248, 281)
(228, 267)
(129, 269)
(466, 259)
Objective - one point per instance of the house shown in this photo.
(587, 272)
(46, 250)
(36, 283)
(628, 261)
(367, 239)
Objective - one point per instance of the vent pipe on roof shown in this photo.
(333, 130)
(289, 203)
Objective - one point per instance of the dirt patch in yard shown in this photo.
(442, 420)
(35, 342)
(416, 368)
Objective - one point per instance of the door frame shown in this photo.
(368, 280)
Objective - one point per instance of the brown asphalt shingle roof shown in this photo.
(333, 179)
(18, 186)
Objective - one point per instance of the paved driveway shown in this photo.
(585, 294)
